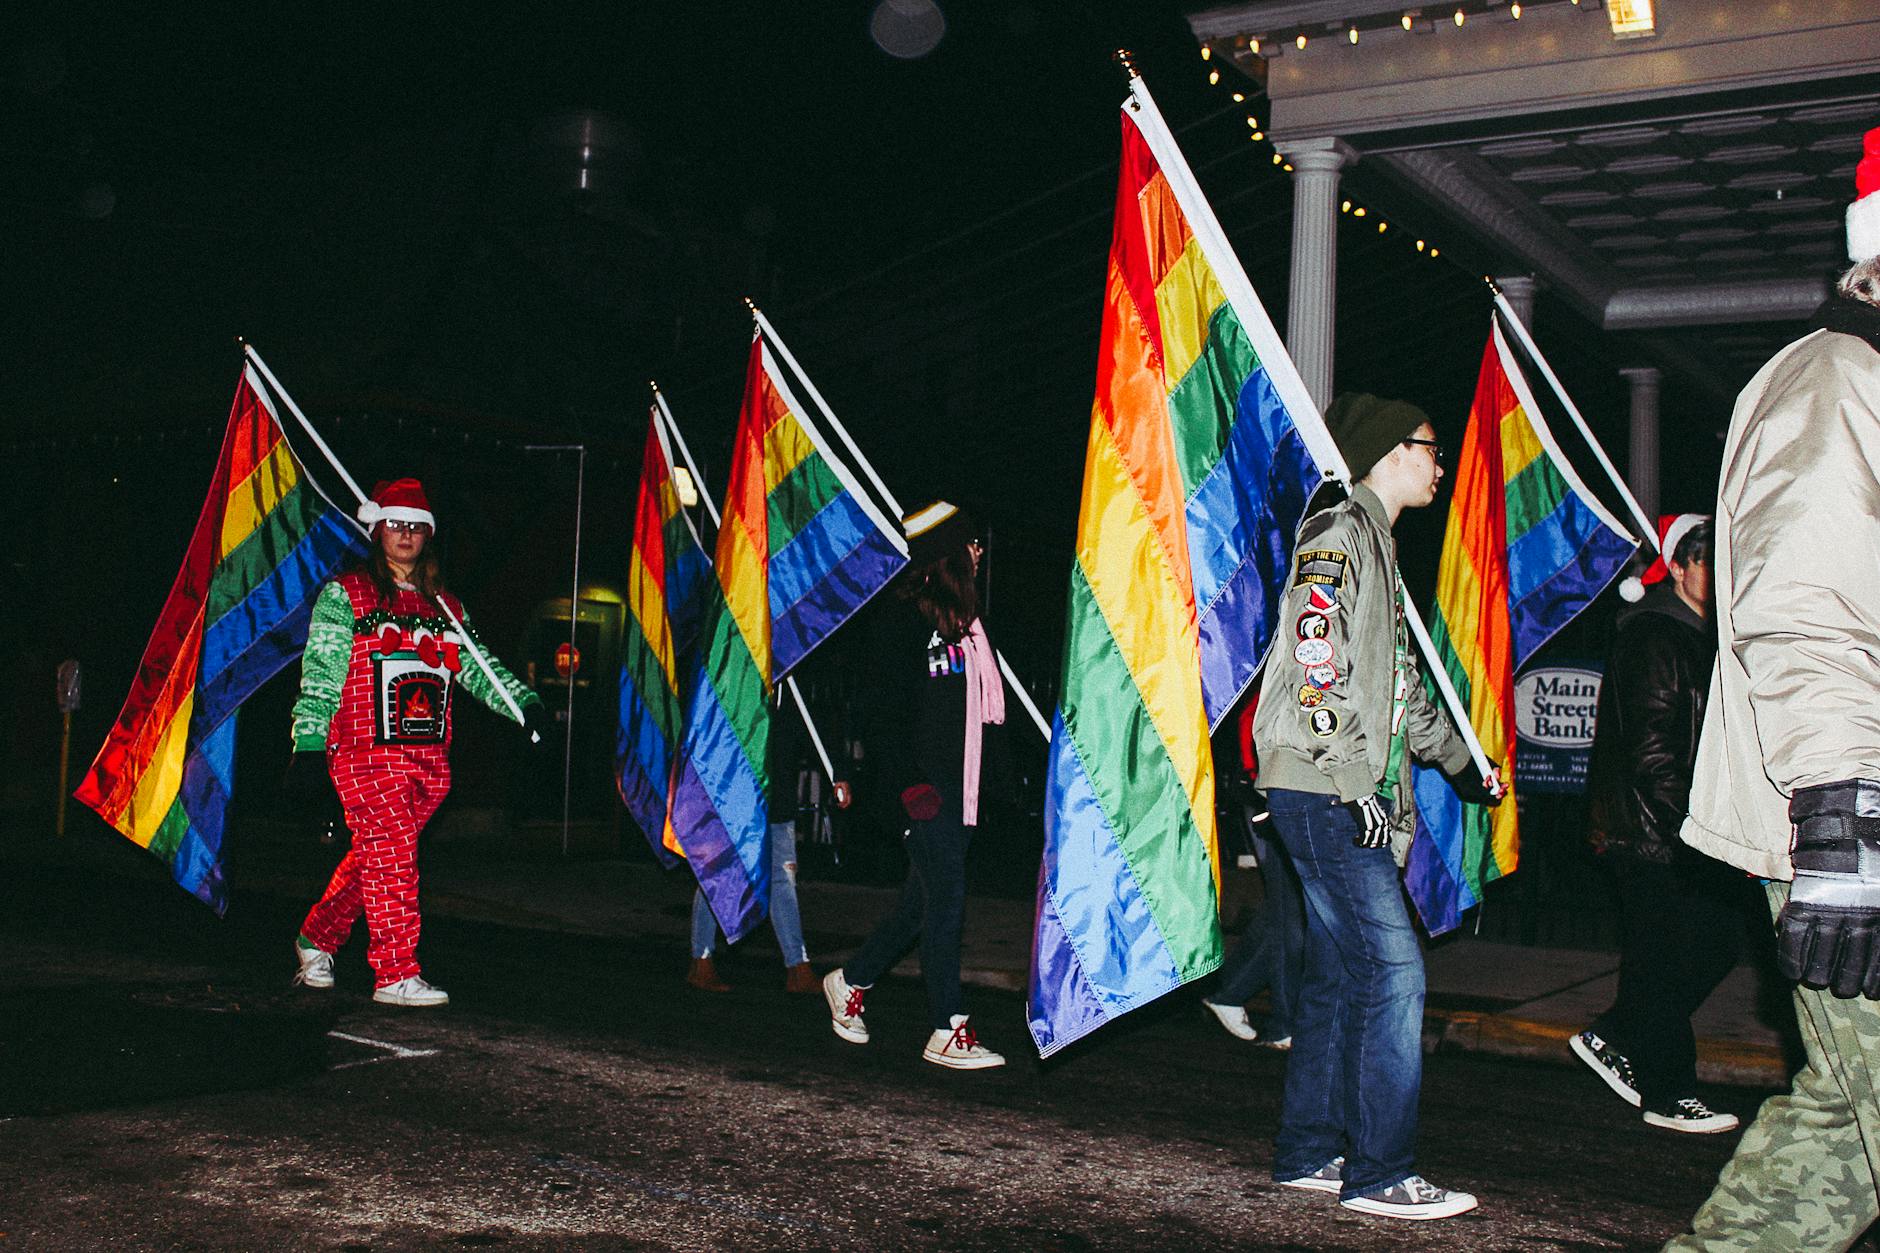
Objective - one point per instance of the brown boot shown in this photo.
(801, 980)
(704, 976)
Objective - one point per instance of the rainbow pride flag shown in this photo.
(800, 549)
(266, 539)
(1525, 549)
(1195, 478)
(666, 571)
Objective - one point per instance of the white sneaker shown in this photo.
(845, 1007)
(959, 1048)
(1692, 1115)
(1415, 1197)
(1234, 1018)
(316, 967)
(413, 993)
(1327, 1178)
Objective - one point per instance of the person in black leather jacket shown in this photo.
(1682, 912)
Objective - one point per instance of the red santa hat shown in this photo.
(1863, 216)
(1672, 528)
(401, 500)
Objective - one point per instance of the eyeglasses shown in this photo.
(1436, 449)
(407, 528)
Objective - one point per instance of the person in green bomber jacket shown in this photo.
(1342, 710)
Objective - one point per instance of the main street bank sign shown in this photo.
(1554, 710)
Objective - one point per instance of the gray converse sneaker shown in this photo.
(1415, 1197)
(845, 1007)
(413, 993)
(1608, 1063)
(1693, 1116)
(958, 1048)
(1327, 1178)
(316, 967)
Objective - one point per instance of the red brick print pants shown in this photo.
(389, 794)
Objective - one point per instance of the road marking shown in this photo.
(392, 1052)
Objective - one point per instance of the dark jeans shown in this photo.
(1356, 1066)
(1683, 927)
(1271, 952)
(933, 907)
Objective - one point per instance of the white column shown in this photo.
(1312, 303)
(1519, 289)
(1641, 466)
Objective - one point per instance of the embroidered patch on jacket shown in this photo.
(1310, 697)
(1322, 677)
(1313, 626)
(1312, 652)
(1322, 566)
(1324, 723)
(1318, 600)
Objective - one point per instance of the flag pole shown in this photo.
(1273, 355)
(664, 417)
(848, 441)
(1533, 351)
(842, 432)
(469, 641)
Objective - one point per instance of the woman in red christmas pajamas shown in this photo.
(374, 718)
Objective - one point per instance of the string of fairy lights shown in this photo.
(1628, 18)
(1257, 135)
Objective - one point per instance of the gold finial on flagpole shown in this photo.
(1127, 59)
(1493, 286)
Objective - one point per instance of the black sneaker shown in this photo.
(1609, 1064)
(1693, 1116)
(1327, 1178)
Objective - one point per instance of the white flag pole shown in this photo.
(861, 459)
(1533, 350)
(469, 642)
(1024, 697)
(1272, 353)
(842, 432)
(664, 417)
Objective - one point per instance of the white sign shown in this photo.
(1556, 706)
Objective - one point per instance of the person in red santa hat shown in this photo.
(1683, 914)
(372, 735)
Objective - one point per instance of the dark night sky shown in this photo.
(386, 201)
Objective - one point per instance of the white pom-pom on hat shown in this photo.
(1672, 528)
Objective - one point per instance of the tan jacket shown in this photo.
(1795, 571)
(1324, 725)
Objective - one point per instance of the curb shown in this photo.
(1726, 1062)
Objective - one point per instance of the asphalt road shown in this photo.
(164, 1086)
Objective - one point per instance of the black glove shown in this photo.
(1826, 934)
(1373, 822)
(535, 722)
(308, 787)
(1470, 789)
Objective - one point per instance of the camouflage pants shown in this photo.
(1803, 1176)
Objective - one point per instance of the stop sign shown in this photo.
(567, 659)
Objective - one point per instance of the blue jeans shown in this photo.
(786, 919)
(932, 907)
(1356, 1066)
(1271, 952)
